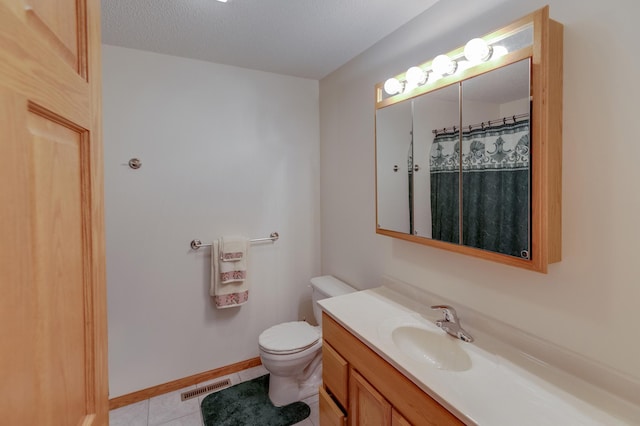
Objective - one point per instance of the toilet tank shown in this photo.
(324, 287)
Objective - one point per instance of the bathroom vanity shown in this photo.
(370, 390)
(385, 362)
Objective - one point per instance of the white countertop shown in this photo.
(494, 391)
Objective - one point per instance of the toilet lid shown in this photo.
(289, 337)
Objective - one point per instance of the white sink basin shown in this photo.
(430, 347)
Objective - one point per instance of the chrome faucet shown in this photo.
(451, 323)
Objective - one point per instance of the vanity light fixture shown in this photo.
(444, 65)
(416, 76)
(464, 65)
(477, 50)
(393, 86)
(499, 51)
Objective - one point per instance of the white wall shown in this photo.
(224, 151)
(514, 107)
(588, 303)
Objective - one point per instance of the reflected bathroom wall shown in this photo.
(393, 145)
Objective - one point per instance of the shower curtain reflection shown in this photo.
(445, 176)
(495, 188)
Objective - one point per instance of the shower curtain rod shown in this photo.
(483, 124)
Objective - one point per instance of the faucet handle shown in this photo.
(449, 313)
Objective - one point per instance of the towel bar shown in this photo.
(196, 244)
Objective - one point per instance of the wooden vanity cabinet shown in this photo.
(367, 406)
(330, 413)
(361, 388)
(397, 419)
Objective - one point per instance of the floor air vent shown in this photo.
(212, 387)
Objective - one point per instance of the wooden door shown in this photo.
(367, 407)
(53, 365)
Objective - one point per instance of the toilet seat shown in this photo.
(289, 338)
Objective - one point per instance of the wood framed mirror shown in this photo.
(468, 157)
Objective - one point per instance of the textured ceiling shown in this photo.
(303, 38)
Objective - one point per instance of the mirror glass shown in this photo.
(393, 150)
(435, 189)
(424, 185)
(495, 160)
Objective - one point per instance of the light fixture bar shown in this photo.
(476, 51)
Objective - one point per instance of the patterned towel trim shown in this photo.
(231, 276)
(233, 299)
(226, 257)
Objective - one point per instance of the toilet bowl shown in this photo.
(292, 351)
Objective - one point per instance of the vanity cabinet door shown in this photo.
(330, 413)
(398, 420)
(335, 373)
(367, 407)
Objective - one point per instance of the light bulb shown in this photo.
(416, 76)
(477, 50)
(393, 86)
(443, 65)
(499, 51)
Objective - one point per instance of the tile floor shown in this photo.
(168, 410)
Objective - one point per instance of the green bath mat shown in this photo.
(248, 404)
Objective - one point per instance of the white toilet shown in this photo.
(292, 351)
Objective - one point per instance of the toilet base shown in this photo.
(284, 390)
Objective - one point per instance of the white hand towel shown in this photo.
(233, 249)
(233, 263)
(230, 292)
